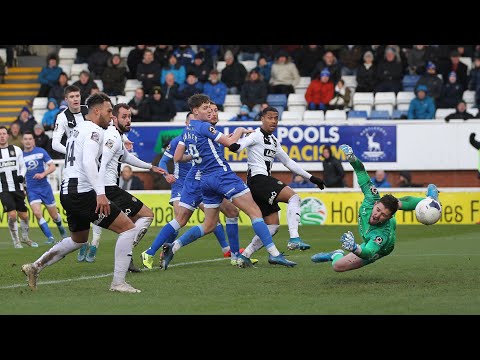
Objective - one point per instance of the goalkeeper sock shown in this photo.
(337, 257)
(409, 202)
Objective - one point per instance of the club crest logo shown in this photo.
(312, 212)
(374, 140)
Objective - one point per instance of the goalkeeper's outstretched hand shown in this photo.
(348, 151)
(317, 181)
(348, 241)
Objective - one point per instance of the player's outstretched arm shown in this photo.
(357, 165)
(474, 142)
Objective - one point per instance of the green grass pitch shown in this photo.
(433, 270)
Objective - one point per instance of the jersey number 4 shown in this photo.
(69, 156)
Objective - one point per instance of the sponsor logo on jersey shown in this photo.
(109, 143)
(272, 197)
(212, 130)
(95, 136)
(8, 163)
(378, 240)
(269, 153)
(374, 190)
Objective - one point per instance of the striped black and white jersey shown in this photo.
(114, 154)
(11, 166)
(82, 160)
(64, 123)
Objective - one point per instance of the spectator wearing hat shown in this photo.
(199, 67)
(330, 62)
(433, 83)
(460, 112)
(26, 120)
(264, 68)
(254, 91)
(234, 73)
(159, 109)
(320, 91)
(460, 69)
(452, 92)
(48, 76)
(41, 139)
(48, 120)
(421, 106)
(215, 89)
(389, 72)
(474, 83)
(366, 74)
(284, 76)
(243, 115)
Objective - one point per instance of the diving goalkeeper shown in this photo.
(377, 223)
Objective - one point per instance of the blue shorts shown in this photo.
(177, 187)
(41, 194)
(191, 194)
(217, 186)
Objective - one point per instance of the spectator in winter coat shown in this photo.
(264, 68)
(460, 113)
(190, 87)
(460, 69)
(149, 72)
(284, 76)
(320, 91)
(254, 91)
(98, 61)
(48, 120)
(176, 68)
(366, 74)
(48, 76)
(234, 74)
(158, 108)
(41, 139)
(184, 55)
(58, 90)
(380, 179)
(389, 72)
(416, 59)
(170, 88)
(330, 62)
(433, 83)
(350, 57)
(138, 105)
(199, 67)
(452, 92)
(85, 83)
(134, 58)
(215, 89)
(475, 79)
(298, 182)
(26, 120)
(114, 76)
(421, 106)
(333, 173)
(307, 57)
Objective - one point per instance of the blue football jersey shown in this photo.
(181, 169)
(35, 161)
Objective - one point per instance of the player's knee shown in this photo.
(38, 214)
(231, 211)
(147, 212)
(339, 267)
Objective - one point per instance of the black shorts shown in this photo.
(128, 203)
(80, 210)
(13, 200)
(265, 190)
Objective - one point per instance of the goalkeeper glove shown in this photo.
(348, 242)
(317, 181)
(348, 151)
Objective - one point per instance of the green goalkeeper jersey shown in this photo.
(378, 240)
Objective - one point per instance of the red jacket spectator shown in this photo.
(320, 92)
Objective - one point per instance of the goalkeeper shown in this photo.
(377, 223)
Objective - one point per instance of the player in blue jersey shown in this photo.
(39, 189)
(218, 182)
(187, 198)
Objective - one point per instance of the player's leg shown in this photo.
(22, 213)
(142, 220)
(273, 224)
(46, 195)
(9, 207)
(220, 235)
(231, 212)
(36, 206)
(287, 195)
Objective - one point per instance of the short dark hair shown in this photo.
(97, 99)
(116, 108)
(28, 132)
(267, 109)
(71, 88)
(390, 202)
(197, 100)
(4, 127)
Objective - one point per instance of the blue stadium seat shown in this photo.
(409, 82)
(379, 115)
(357, 114)
(280, 110)
(277, 100)
(400, 114)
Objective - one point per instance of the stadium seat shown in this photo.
(113, 99)
(3, 54)
(296, 102)
(99, 82)
(114, 50)
(467, 61)
(67, 68)
(249, 64)
(226, 115)
(76, 69)
(300, 91)
(130, 93)
(221, 65)
(313, 115)
(409, 82)
(440, 114)
(123, 99)
(400, 114)
(363, 98)
(231, 108)
(232, 103)
(292, 116)
(469, 97)
(302, 86)
(277, 100)
(350, 81)
(473, 111)
(385, 98)
(384, 107)
(39, 103)
(38, 114)
(357, 114)
(280, 110)
(335, 115)
(132, 85)
(403, 99)
(125, 50)
(379, 115)
(180, 116)
(67, 54)
(362, 107)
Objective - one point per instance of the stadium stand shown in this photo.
(313, 115)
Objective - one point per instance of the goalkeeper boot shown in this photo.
(82, 253)
(432, 191)
(297, 243)
(325, 256)
(280, 260)
(167, 255)
(147, 260)
(92, 253)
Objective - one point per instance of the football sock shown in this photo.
(142, 225)
(97, 232)
(232, 233)
(13, 227)
(256, 244)
(57, 252)
(123, 254)
(263, 233)
(45, 229)
(220, 234)
(24, 228)
(190, 236)
(293, 215)
(168, 232)
(410, 202)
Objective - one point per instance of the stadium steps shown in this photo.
(21, 86)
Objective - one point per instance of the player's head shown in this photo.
(214, 118)
(3, 136)
(189, 117)
(28, 141)
(122, 117)
(100, 109)
(73, 98)
(383, 209)
(269, 119)
(199, 105)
